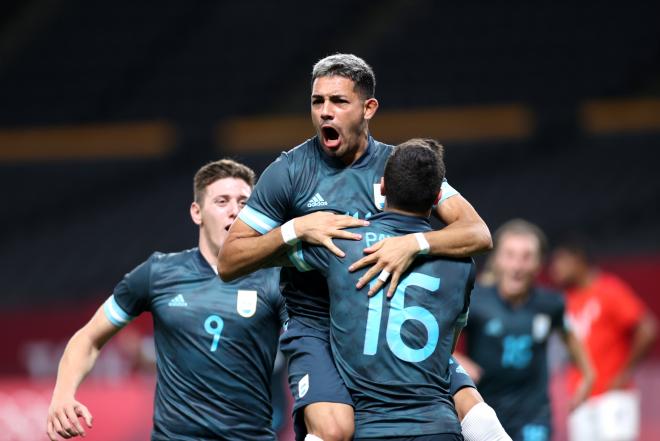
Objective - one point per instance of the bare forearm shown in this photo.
(460, 239)
(77, 361)
(579, 357)
(466, 233)
(242, 255)
(643, 340)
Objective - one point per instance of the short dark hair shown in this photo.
(413, 175)
(522, 227)
(577, 244)
(221, 169)
(348, 66)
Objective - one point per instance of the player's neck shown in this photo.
(357, 153)
(406, 213)
(515, 299)
(209, 252)
(587, 278)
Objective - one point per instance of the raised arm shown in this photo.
(246, 250)
(466, 234)
(77, 361)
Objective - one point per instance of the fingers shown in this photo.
(369, 275)
(365, 261)
(341, 234)
(333, 248)
(60, 423)
(396, 275)
(343, 221)
(81, 410)
(373, 248)
(50, 430)
(72, 416)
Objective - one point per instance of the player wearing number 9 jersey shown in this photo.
(394, 355)
(215, 341)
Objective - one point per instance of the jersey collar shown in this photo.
(202, 264)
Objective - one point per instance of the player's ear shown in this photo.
(370, 107)
(196, 213)
(382, 186)
(438, 198)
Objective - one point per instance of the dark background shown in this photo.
(80, 208)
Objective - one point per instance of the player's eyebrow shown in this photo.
(228, 196)
(332, 95)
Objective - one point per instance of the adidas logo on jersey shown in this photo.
(316, 201)
(178, 301)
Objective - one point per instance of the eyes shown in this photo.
(317, 100)
(224, 201)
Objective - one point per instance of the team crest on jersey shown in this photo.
(246, 302)
(379, 199)
(540, 327)
(494, 327)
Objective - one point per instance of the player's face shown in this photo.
(219, 208)
(340, 117)
(517, 263)
(563, 265)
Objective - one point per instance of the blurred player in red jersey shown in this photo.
(617, 331)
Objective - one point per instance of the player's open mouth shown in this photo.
(330, 137)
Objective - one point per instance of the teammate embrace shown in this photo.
(216, 340)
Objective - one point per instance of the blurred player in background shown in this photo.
(393, 358)
(339, 170)
(215, 342)
(617, 331)
(507, 335)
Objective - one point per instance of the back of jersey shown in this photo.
(393, 354)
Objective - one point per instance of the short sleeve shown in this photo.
(447, 191)
(269, 204)
(627, 308)
(307, 257)
(131, 296)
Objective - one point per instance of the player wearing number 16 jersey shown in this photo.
(215, 342)
(393, 355)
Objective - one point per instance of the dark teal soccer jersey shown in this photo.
(215, 344)
(393, 355)
(510, 344)
(304, 180)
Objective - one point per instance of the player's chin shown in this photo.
(332, 150)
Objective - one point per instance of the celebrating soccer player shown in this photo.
(508, 330)
(394, 356)
(215, 342)
(337, 171)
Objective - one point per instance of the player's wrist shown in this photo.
(423, 245)
(289, 235)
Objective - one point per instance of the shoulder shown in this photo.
(382, 150)
(304, 150)
(172, 258)
(613, 285)
(161, 263)
(483, 296)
